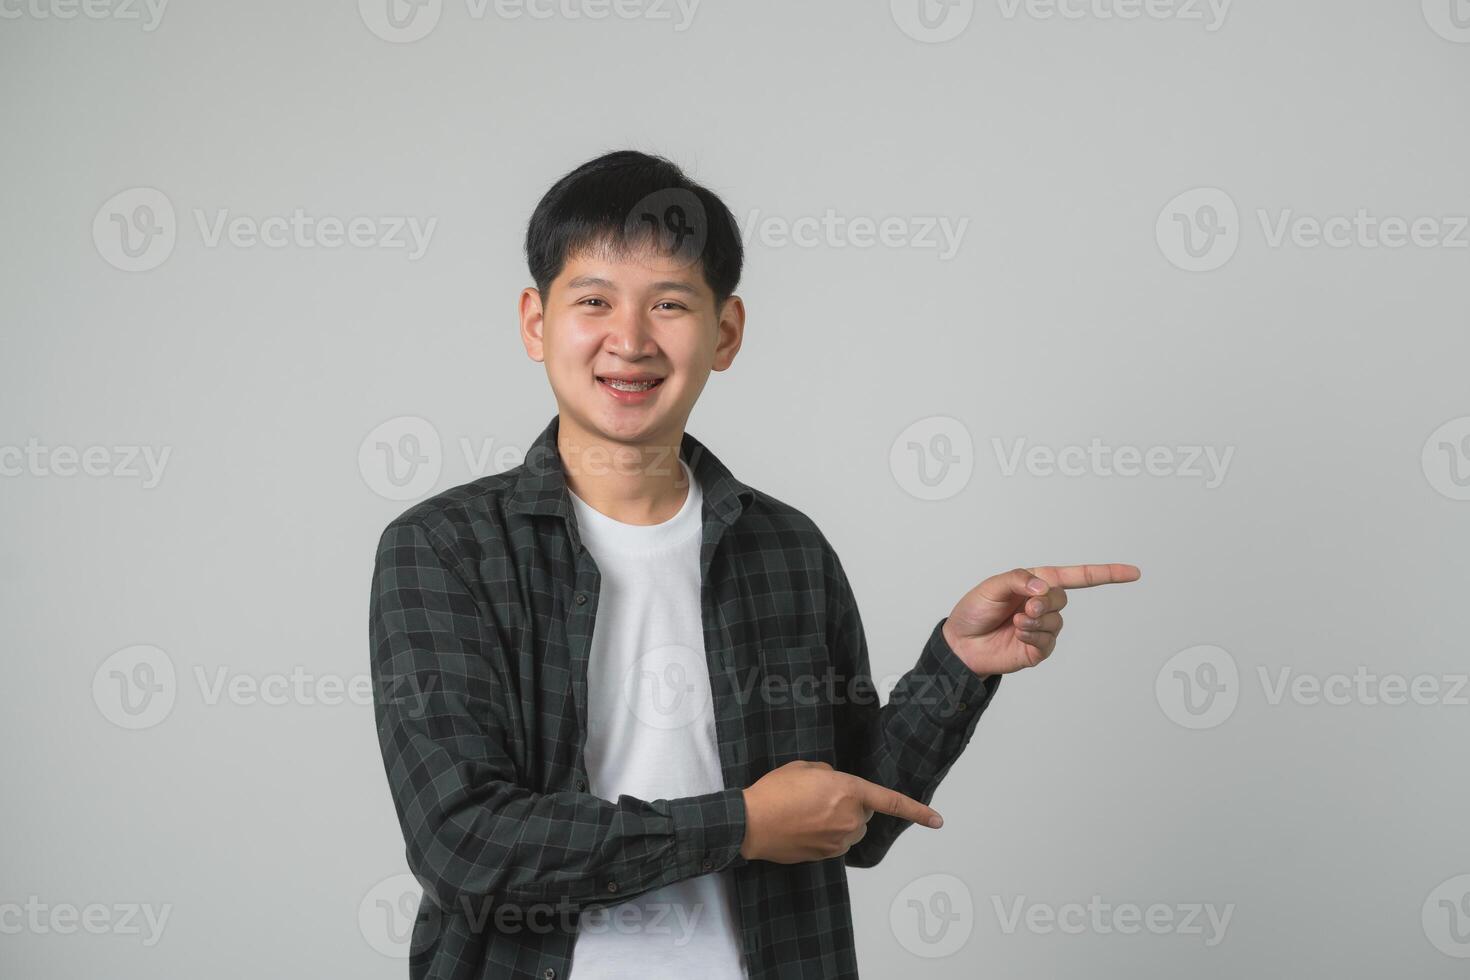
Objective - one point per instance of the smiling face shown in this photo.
(612, 322)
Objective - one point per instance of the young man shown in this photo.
(623, 698)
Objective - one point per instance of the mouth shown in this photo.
(630, 386)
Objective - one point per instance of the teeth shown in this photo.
(631, 385)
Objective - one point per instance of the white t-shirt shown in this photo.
(651, 734)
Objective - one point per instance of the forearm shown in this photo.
(912, 742)
(488, 841)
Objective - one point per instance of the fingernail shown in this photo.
(936, 821)
(1038, 586)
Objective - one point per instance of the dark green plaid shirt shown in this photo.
(482, 612)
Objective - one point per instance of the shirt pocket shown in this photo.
(793, 701)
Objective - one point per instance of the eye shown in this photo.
(589, 299)
(672, 304)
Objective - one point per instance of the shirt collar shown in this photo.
(541, 486)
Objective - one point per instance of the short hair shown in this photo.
(627, 200)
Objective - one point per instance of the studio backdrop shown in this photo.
(1180, 283)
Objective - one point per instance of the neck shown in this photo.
(635, 483)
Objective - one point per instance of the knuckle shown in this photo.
(895, 801)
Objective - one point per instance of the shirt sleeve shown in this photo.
(911, 742)
(476, 835)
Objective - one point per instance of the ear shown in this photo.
(729, 333)
(532, 323)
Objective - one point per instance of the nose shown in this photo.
(628, 334)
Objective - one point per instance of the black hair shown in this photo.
(627, 200)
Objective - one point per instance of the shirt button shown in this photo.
(549, 973)
(581, 598)
(707, 865)
(961, 706)
(612, 886)
(581, 784)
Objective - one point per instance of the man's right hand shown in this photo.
(808, 811)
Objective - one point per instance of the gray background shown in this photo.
(1334, 543)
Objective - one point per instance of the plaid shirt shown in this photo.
(482, 613)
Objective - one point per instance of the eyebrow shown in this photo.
(665, 286)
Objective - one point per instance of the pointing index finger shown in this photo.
(1086, 576)
(880, 799)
